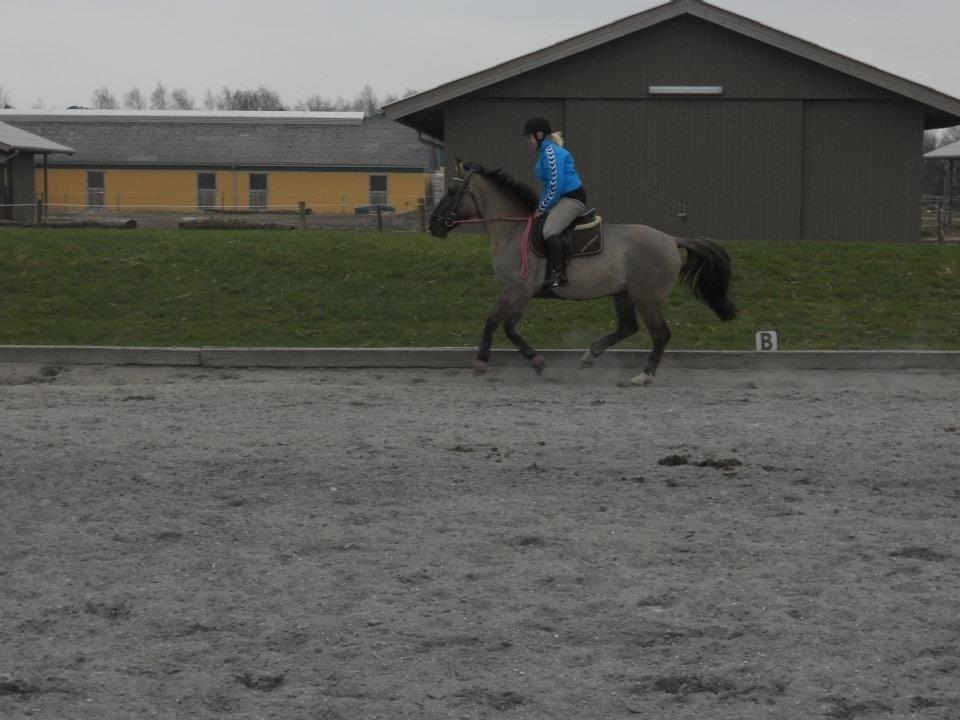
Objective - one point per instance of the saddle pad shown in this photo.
(586, 240)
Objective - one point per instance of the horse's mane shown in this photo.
(519, 190)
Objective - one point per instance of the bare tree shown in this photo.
(158, 98)
(392, 97)
(950, 135)
(209, 101)
(134, 100)
(181, 100)
(367, 101)
(260, 99)
(103, 99)
(5, 100)
(318, 103)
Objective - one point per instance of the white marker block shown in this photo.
(767, 341)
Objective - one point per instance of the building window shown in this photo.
(258, 190)
(95, 189)
(378, 190)
(206, 190)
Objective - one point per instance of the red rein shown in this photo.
(524, 242)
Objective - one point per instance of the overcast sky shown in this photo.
(55, 53)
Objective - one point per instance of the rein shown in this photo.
(524, 241)
(450, 222)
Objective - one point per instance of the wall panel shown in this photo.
(861, 171)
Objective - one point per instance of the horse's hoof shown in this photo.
(586, 360)
(480, 366)
(642, 380)
(538, 363)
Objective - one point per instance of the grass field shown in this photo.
(329, 289)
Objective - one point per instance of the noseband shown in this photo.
(449, 219)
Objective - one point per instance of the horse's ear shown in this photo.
(459, 166)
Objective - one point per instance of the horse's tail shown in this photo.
(707, 271)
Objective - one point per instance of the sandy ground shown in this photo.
(202, 543)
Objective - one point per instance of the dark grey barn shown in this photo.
(699, 121)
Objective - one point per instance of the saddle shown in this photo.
(584, 236)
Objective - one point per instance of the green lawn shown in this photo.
(323, 288)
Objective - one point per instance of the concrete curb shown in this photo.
(461, 358)
(98, 355)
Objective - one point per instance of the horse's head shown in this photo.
(458, 204)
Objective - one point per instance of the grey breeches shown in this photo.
(561, 215)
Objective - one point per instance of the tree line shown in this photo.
(261, 98)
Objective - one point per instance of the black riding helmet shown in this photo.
(537, 124)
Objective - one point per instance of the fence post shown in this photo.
(38, 216)
(302, 211)
(379, 219)
(422, 214)
(949, 186)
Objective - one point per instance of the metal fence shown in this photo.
(300, 215)
(341, 203)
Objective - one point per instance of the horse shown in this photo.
(637, 267)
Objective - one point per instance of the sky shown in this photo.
(55, 53)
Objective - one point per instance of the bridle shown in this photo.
(449, 219)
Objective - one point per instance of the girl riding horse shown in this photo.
(638, 267)
(563, 198)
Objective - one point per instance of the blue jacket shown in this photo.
(557, 173)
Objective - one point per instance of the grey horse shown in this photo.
(638, 267)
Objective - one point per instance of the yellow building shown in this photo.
(187, 160)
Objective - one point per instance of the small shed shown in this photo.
(950, 153)
(17, 184)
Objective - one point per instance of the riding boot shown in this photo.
(555, 256)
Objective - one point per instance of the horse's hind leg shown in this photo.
(626, 326)
(510, 329)
(660, 333)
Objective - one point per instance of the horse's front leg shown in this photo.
(501, 311)
(537, 361)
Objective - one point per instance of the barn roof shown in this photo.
(332, 141)
(424, 111)
(947, 152)
(13, 138)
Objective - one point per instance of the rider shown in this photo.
(563, 197)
